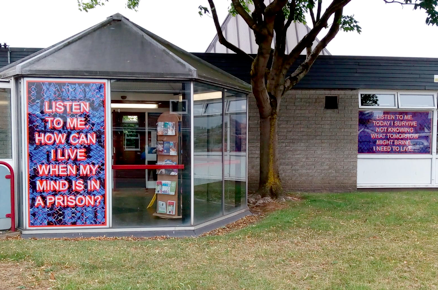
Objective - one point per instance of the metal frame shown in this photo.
(192, 154)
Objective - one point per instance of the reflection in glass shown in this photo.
(416, 101)
(5, 124)
(235, 152)
(208, 153)
(377, 100)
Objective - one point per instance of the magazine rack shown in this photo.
(170, 200)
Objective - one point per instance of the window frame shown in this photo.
(382, 92)
(401, 93)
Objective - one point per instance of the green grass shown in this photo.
(326, 241)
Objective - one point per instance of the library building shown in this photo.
(117, 132)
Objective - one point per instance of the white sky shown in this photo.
(388, 29)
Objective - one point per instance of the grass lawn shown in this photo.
(326, 241)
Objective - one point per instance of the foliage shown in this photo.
(270, 71)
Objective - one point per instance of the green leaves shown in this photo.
(428, 5)
(85, 6)
(244, 3)
(203, 10)
(90, 4)
(348, 23)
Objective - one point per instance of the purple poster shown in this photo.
(394, 132)
(66, 145)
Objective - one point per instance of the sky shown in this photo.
(387, 29)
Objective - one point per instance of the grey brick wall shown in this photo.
(317, 147)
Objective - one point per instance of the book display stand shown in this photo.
(167, 179)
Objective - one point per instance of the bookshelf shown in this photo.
(167, 204)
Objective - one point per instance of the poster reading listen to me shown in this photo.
(381, 132)
(66, 161)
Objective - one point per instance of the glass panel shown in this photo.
(137, 133)
(214, 108)
(381, 132)
(198, 109)
(208, 153)
(378, 100)
(5, 124)
(237, 106)
(235, 152)
(416, 101)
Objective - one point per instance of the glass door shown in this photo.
(150, 151)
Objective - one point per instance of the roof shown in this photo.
(348, 72)
(340, 72)
(118, 48)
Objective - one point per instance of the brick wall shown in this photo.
(317, 147)
(5, 125)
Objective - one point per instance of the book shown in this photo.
(160, 128)
(167, 171)
(162, 208)
(172, 148)
(171, 207)
(165, 188)
(169, 128)
(158, 188)
(160, 147)
(172, 188)
(166, 128)
(166, 148)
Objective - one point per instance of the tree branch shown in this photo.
(313, 33)
(220, 35)
(304, 68)
(397, 2)
(248, 19)
(292, 6)
(318, 15)
(312, 16)
(275, 7)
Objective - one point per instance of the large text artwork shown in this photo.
(66, 145)
(394, 132)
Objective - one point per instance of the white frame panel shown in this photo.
(424, 93)
(108, 138)
(382, 92)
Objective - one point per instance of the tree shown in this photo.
(270, 79)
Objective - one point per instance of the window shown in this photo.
(237, 106)
(378, 100)
(417, 101)
(213, 108)
(131, 136)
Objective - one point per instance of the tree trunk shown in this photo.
(270, 183)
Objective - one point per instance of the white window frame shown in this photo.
(424, 93)
(382, 92)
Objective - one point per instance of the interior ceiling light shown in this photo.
(208, 96)
(133, 106)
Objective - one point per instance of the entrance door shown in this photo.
(129, 143)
